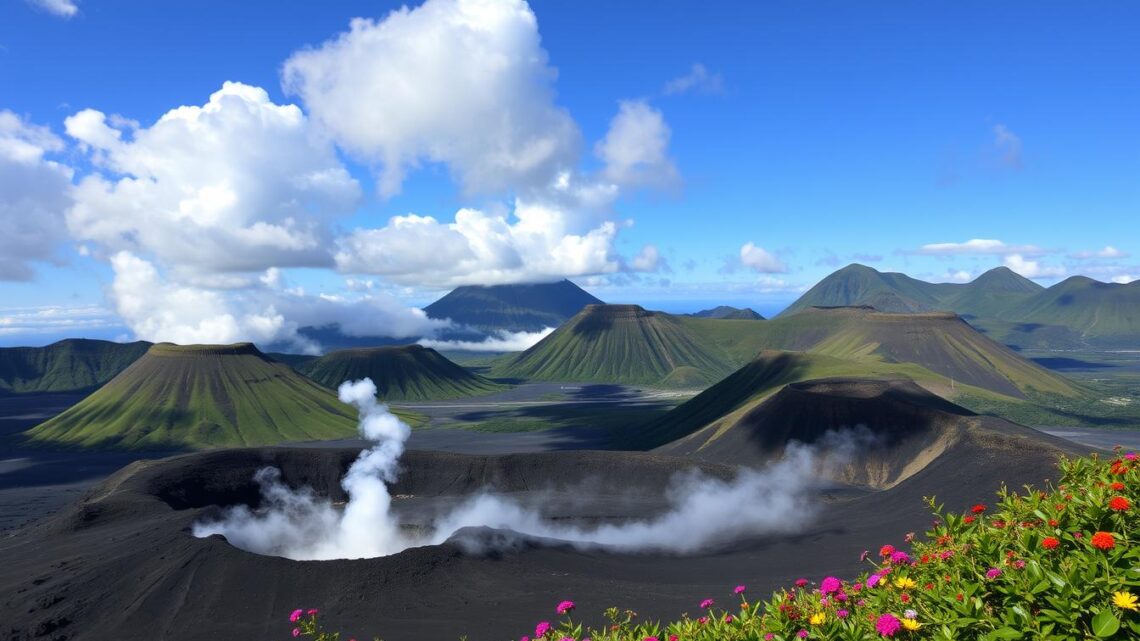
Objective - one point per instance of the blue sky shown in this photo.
(745, 151)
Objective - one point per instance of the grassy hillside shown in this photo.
(861, 285)
(407, 372)
(513, 308)
(623, 344)
(1103, 314)
(941, 343)
(71, 365)
(201, 396)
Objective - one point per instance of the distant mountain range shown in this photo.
(512, 308)
(727, 312)
(1076, 312)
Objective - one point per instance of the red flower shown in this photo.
(978, 509)
(1049, 542)
(1118, 504)
(1103, 541)
(886, 550)
(968, 519)
(1118, 486)
(958, 596)
(1054, 522)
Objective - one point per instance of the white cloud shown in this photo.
(54, 319)
(461, 82)
(243, 177)
(955, 276)
(698, 79)
(649, 259)
(635, 148)
(1108, 252)
(480, 248)
(978, 246)
(61, 8)
(760, 260)
(1008, 146)
(34, 194)
(500, 342)
(1124, 279)
(1032, 268)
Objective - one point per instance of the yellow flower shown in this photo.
(818, 618)
(905, 583)
(911, 625)
(1124, 600)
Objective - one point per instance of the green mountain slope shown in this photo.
(861, 285)
(990, 295)
(941, 343)
(623, 344)
(72, 365)
(513, 308)
(407, 372)
(1103, 314)
(730, 313)
(201, 396)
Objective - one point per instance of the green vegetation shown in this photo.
(201, 396)
(72, 365)
(514, 308)
(617, 419)
(1051, 565)
(622, 344)
(406, 372)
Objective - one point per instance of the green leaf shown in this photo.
(1004, 633)
(1105, 624)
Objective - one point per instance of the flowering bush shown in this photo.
(1045, 565)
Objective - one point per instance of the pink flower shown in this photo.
(296, 632)
(1131, 456)
(728, 618)
(524, 638)
(873, 580)
(738, 589)
(564, 607)
(864, 555)
(296, 615)
(706, 604)
(842, 614)
(542, 628)
(841, 597)
(829, 585)
(900, 557)
(650, 639)
(888, 625)
(769, 637)
(312, 612)
(803, 634)
(801, 583)
(703, 620)
(993, 573)
(1019, 564)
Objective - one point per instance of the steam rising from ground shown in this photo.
(703, 512)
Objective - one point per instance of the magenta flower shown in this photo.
(861, 602)
(542, 628)
(888, 625)
(769, 637)
(296, 632)
(841, 597)
(565, 607)
(1019, 564)
(993, 573)
(738, 589)
(900, 557)
(829, 585)
(296, 615)
(706, 604)
(650, 639)
(801, 583)
(1131, 456)
(703, 620)
(842, 614)
(312, 612)
(803, 634)
(728, 618)
(873, 580)
(524, 638)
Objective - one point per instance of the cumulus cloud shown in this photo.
(1108, 252)
(1032, 268)
(498, 342)
(60, 8)
(1123, 279)
(649, 259)
(760, 260)
(461, 82)
(243, 177)
(635, 148)
(698, 79)
(1008, 146)
(34, 194)
(480, 248)
(978, 246)
(54, 319)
